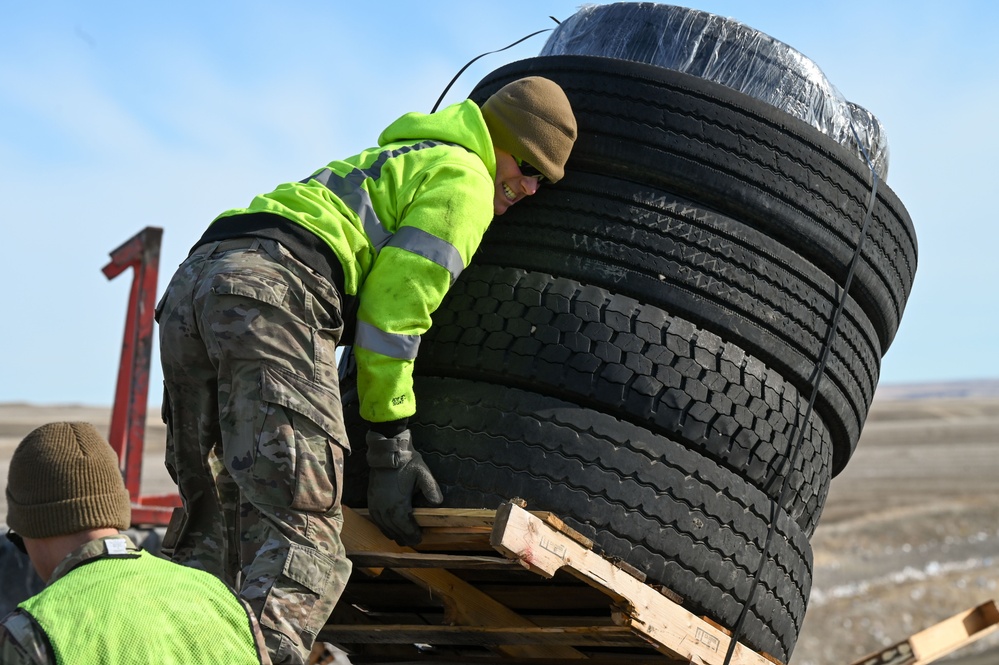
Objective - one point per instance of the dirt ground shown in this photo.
(909, 536)
(910, 533)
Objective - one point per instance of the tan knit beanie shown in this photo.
(63, 479)
(532, 120)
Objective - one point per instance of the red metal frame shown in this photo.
(128, 415)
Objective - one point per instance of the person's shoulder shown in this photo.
(116, 545)
(22, 642)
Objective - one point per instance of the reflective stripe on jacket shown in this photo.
(404, 219)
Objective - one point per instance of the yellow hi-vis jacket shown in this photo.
(404, 219)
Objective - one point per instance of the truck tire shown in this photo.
(682, 520)
(740, 157)
(637, 363)
(710, 269)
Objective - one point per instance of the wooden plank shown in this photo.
(556, 523)
(941, 639)
(380, 595)
(456, 518)
(422, 560)
(485, 636)
(673, 630)
(470, 528)
(464, 604)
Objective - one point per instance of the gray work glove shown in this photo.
(397, 471)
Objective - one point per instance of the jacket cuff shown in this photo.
(390, 428)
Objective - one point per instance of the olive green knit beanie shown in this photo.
(532, 120)
(63, 479)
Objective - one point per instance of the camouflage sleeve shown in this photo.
(22, 642)
(258, 637)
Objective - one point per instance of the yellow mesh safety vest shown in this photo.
(142, 609)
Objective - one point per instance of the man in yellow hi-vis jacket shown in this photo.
(251, 320)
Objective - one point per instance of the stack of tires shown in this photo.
(634, 348)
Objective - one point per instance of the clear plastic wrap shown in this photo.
(727, 52)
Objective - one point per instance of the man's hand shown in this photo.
(397, 471)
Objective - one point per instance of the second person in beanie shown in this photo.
(360, 252)
(66, 507)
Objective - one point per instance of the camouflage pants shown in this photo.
(255, 434)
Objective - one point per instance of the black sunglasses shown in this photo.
(531, 172)
(17, 540)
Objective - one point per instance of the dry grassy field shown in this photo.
(909, 536)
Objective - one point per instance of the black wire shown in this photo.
(469, 63)
(819, 372)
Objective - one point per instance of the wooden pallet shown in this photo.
(928, 646)
(509, 585)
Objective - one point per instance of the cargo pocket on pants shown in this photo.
(299, 457)
(300, 590)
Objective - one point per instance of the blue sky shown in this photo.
(119, 115)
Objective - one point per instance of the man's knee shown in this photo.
(293, 588)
